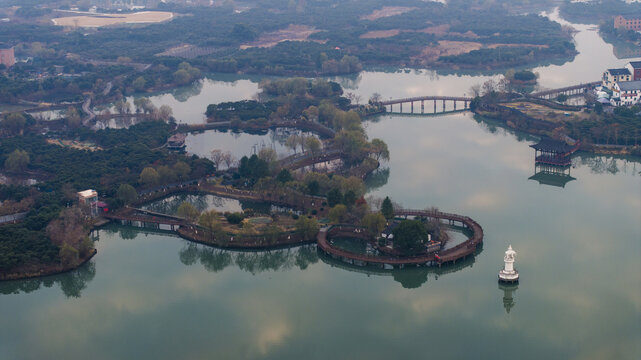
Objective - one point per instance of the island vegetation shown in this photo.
(612, 131)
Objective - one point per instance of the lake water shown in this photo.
(154, 295)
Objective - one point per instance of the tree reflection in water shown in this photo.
(254, 262)
(409, 277)
(377, 179)
(71, 283)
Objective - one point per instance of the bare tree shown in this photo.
(217, 157)
(229, 159)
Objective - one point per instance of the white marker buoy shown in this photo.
(509, 274)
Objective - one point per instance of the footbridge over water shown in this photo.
(574, 90)
(449, 104)
(147, 218)
(447, 256)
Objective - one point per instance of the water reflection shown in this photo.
(551, 175)
(254, 262)
(508, 298)
(409, 278)
(71, 283)
(203, 202)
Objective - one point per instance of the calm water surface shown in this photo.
(154, 295)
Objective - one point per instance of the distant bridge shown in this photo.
(568, 90)
(420, 100)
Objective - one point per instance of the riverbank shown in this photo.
(33, 271)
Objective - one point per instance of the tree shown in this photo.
(122, 107)
(126, 193)
(313, 145)
(292, 142)
(165, 112)
(17, 161)
(349, 198)
(68, 255)
(188, 211)
(67, 228)
(229, 159)
(308, 228)
(166, 174)
(217, 157)
(14, 123)
(334, 197)
(410, 236)
(139, 83)
(387, 209)
(210, 221)
(284, 176)
(182, 77)
(337, 213)
(149, 176)
(143, 104)
(379, 149)
(374, 223)
(182, 169)
(268, 155)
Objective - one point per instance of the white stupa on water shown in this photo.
(509, 274)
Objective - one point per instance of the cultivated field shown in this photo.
(387, 11)
(291, 33)
(98, 20)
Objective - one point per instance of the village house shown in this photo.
(626, 93)
(629, 24)
(613, 76)
(635, 69)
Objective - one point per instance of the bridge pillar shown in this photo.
(454, 105)
(443, 105)
(422, 106)
(465, 104)
(401, 107)
(434, 106)
(412, 107)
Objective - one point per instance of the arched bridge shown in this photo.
(420, 101)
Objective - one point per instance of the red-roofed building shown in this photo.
(629, 24)
(635, 69)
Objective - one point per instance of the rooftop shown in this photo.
(547, 144)
(617, 72)
(629, 85)
(635, 64)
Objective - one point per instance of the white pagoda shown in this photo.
(509, 274)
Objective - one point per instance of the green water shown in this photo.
(156, 296)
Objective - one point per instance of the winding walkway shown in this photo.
(451, 255)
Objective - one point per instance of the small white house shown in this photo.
(613, 76)
(627, 93)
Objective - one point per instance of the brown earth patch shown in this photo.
(387, 11)
(98, 20)
(447, 48)
(291, 33)
(380, 34)
(436, 30)
(443, 30)
(494, 46)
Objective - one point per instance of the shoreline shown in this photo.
(46, 271)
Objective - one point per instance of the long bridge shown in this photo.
(420, 100)
(573, 90)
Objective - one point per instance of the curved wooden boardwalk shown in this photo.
(451, 255)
